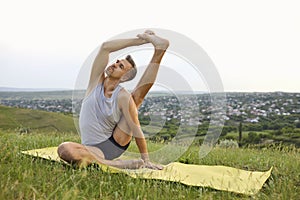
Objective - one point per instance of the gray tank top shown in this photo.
(98, 116)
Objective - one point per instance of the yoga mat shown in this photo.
(217, 177)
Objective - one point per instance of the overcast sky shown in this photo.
(255, 45)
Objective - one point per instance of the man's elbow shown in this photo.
(137, 131)
(105, 46)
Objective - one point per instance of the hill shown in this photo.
(16, 118)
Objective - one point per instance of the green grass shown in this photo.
(24, 177)
(286, 138)
(245, 133)
(14, 118)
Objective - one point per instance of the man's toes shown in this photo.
(149, 32)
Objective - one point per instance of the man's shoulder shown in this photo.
(124, 94)
(124, 98)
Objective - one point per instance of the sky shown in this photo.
(254, 45)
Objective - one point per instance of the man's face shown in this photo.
(118, 69)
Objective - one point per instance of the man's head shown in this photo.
(124, 69)
(131, 73)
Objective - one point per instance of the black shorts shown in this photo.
(111, 149)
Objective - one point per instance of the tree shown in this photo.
(240, 132)
(253, 138)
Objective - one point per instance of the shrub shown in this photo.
(228, 144)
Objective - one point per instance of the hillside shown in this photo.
(15, 118)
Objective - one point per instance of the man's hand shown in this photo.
(148, 164)
(142, 40)
(158, 42)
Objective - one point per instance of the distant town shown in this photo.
(251, 106)
(249, 118)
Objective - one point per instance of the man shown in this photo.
(109, 117)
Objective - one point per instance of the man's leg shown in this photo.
(79, 154)
(82, 156)
(149, 76)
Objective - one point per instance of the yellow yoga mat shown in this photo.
(217, 177)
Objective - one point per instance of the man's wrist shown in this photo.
(145, 157)
(141, 41)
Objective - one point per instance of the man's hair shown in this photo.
(132, 72)
(130, 60)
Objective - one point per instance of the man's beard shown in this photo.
(108, 71)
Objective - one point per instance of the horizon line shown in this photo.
(20, 89)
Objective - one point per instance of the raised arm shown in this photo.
(102, 58)
(130, 113)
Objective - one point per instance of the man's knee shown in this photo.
(137, 98)
(139, 93)
(64, 151)
(61, 149)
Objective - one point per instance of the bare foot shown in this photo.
(158, 42)
(149, 32)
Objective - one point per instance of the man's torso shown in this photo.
(99, 115)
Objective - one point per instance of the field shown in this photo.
(24, 177)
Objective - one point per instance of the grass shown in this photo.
(24, 177)
(15, 118)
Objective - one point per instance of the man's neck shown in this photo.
(110, 85)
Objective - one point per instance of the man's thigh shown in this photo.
(75, 152)
(96, 152)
